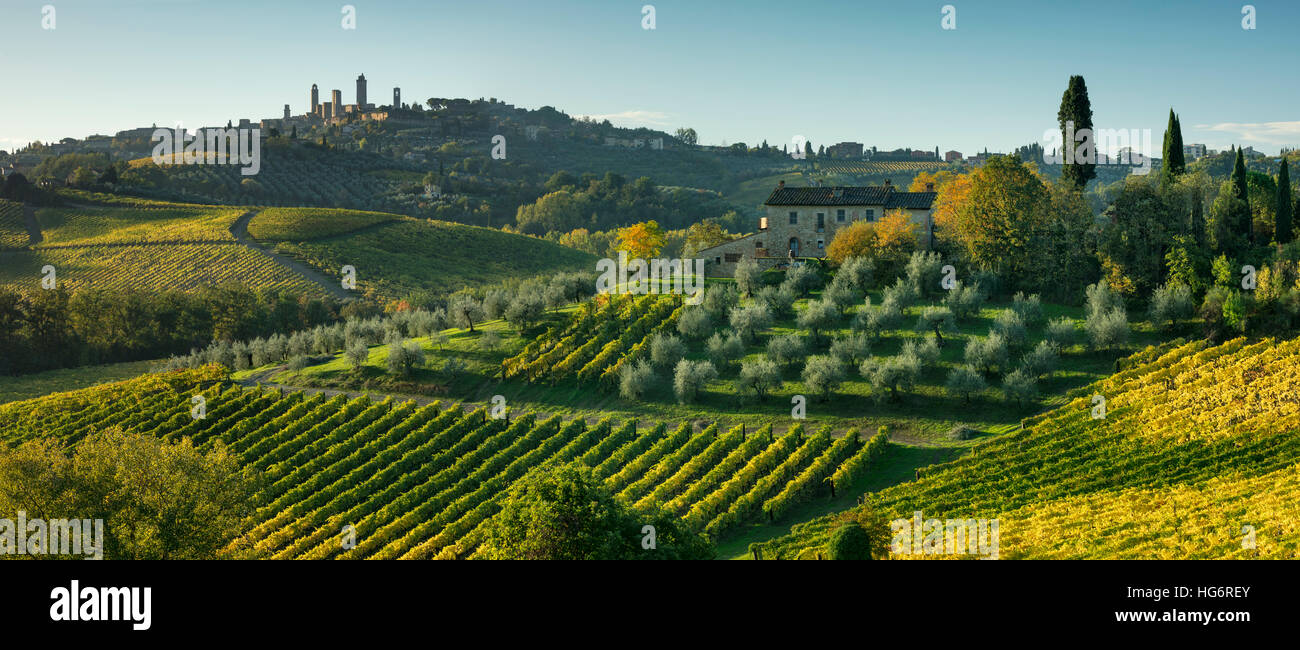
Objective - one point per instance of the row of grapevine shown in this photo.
(415, 481)
(1144, 479)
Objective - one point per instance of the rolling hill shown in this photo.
(1196, 457)
(419, 482)
(119, 242)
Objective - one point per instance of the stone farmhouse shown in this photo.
(801, 221)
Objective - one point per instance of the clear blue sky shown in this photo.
(881, 73)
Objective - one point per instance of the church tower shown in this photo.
(361, 93)
(315, 100)
(397, 98)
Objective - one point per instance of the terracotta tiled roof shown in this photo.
(913, 200)
(828, 196)
(872, 195)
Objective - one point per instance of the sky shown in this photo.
(881, 73)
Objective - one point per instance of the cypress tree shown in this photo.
(1239, 176)
(1076, 109)
(1282, 227)
(1174, 164)
(1239, 190)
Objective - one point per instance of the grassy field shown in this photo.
(303, 224)
(24, 387)
(418, 255)
(120, 225)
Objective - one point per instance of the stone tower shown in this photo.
(361, 93)
(397, 98)
(336, 96)
(286, 111)
(315, 100)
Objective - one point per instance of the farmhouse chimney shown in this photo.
(887, 183)
(780, 185)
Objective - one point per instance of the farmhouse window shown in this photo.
(821, 222)
(839, 216)
(717, 260)
(870, 215)
(794, 218)
(821, 243)
(733, 257)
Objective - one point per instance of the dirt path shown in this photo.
(33, 228)
(239, 230)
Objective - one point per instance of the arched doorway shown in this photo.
(794, 247)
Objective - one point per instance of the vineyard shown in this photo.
(136, 224)
(410, 255)
(289, 176)
(419, 482)
(879, 168)
(181, 267)
(608, 333)
(301, 224)
(13, 230)
(1196, 448)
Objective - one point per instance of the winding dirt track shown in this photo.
(239, 230)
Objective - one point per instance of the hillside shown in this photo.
(115, 242)
(1196, 444)
(409, 256)
(420, 481)
(13, 229)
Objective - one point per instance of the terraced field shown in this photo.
(879, 168)
(1196, 457)
(85, 226)
(595, 344)
(154, 267)
(421, 481)
(13, 230)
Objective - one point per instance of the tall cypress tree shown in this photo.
(1282, 227)
(1174, 164)
(1239, 190)
(1076, 108)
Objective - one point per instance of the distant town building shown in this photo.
(634, 143)
(1194, 151)
(397, 98)
(845, 150)
(361, 92)
(315, 100)
(952, 156)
